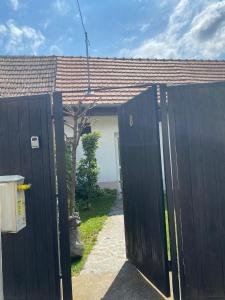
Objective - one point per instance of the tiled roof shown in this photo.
(26, 75)
(112, 72)
(32, 75)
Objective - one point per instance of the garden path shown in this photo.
(107, 275)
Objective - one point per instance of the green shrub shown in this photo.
(88, 171)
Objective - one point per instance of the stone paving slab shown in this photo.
(127, 284)
(107, 274)
(108, 255)
(92, 286)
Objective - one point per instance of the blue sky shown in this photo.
(117, 28)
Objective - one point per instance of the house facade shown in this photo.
(108, 151)
(113, 82)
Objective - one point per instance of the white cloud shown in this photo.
(3, 30)
(144, 27)
(163, 3)
(61, 6)
(15, 4)
(55, 50)
(20, 40)
(129, 39)
(45, 24)
(207, 32)
(195, 30)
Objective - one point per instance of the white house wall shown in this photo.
(107, 154)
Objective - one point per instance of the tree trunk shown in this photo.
(76, 245)
(74, 163)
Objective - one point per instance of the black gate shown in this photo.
(31, 268)
(197, 137)
(193, 143)
(143, 189)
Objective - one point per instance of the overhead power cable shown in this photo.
(87, 44)
(110, 88)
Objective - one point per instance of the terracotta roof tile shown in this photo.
(26, 75)
(34, 75)
(110, 72)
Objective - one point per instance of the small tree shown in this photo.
(79, 120)
(87, 175)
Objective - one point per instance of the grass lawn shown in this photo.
(92, 222)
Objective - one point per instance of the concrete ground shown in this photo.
(107, 274)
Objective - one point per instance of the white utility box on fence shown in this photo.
(13, 212)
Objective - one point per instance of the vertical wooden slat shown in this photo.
(50, 199)
(169, 191)
(143, 188)
(53, 202)
(7, 149)
(29, 233)
(39, 195)
(30, 257)
(62, 197)
(197, 114)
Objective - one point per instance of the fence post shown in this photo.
(169, 192)
(62, 197)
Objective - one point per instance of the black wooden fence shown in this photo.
(193, 130)
(31, 264)
(143, 188)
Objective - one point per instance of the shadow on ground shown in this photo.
(130, 284)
